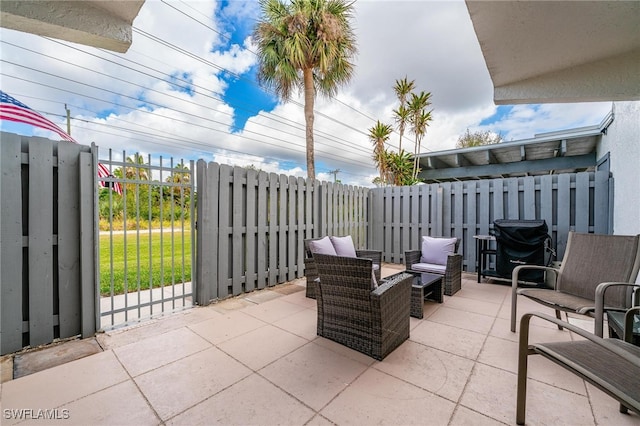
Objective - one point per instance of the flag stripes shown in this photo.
(12, 109)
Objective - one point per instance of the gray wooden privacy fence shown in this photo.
(574, 201)
(252, 225)
(47, 249)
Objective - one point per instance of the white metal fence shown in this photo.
(146, 238)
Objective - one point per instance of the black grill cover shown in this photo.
(520, 242)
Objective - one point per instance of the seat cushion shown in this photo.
(429, 267)
(322, 246)
(437, 250)
(343, 246)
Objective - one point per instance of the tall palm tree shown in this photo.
(419, 119)
(402, 88)
(305, 44)
(378, 135)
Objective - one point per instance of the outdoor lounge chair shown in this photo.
(611, 365)
(589, 259)
(310, 267)
(355, 312)
(438, 256)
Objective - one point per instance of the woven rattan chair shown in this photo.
(589, 259)
(452, 277)
(611, 365)
(350, 312)
(311, 272)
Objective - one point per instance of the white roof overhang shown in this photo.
(99, 23)
(560, 51)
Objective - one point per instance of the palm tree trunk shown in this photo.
(309, 99)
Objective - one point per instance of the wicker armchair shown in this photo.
(452, 277)
(311, 271)
(350, 312)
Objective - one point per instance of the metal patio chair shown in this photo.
(589, 260)
(611, 365)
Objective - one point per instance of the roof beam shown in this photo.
(521, 167)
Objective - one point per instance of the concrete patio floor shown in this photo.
(256, 359)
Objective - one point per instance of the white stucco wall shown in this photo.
(623, 142)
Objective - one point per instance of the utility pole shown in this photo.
(68, 119)
(335, 174)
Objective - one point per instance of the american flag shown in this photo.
(12, 109)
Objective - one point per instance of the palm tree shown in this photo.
(379, 134)
(419, 119)
(402, 88)
(400, 168)
(305, 44)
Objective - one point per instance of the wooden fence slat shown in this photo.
(225, 232)
(237, 261)
(69, 235)
(251, 254)
(282, 229)
(262, 236)
(88, 253)
(582, 203)
(11, 248)
(603, 203)
(291, 228)
(529, 206)
(273, 229)
(300, 227)
(563, 201)
(40, 242)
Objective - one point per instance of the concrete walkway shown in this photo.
(257, 360)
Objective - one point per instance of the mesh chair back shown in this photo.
(591, 259)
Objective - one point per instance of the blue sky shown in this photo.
(437, 48)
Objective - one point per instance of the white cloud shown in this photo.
(432, 42)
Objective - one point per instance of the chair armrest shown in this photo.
(524, 336)
(374, 255)
(394, 294)
(599, 304)
(376, 258)
(411, 257)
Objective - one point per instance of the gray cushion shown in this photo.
(344, 246)
(322, 246)
(429, 267)
(437, 250)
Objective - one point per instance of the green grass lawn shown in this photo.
(159, 270)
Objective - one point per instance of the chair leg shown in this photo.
(560, 318)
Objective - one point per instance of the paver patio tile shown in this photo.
(186, 382)
(62, 384)
(121, 404)
(492, 391)
(157, 351)
(252, 401)
(377, 398)
(303, 324)
(464, 320)
(226, 326)
(262, 346)
(439, 372)
(460, 342)
(320, 374)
